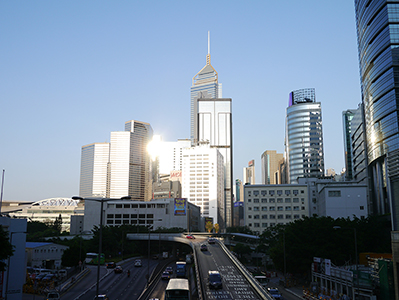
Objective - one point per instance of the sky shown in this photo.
(73, 71)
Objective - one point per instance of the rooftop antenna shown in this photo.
(208, 57)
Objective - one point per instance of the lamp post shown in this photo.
(356, 264)
(101, 200)
(9, 262)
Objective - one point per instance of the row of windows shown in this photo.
(126, 222)
(257, 217)
(279, 192)
(264, 225)
(279, 200)
(48, 250)
(136, 205)
(126, 216)
(279, 208)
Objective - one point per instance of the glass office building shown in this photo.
(304, 136)
(347, 117)
(378, 45)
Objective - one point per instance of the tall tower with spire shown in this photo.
(205, 85)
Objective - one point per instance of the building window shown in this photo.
(334, 193)
(256, 193)
(264, 200)
(110, 215)
(280, 208)
(256, 225)
(280, 217)
(287, 208)
(150, 216)
(133, 221)
(287, 192)
(119, 206)
(296, 208)
(296, 216)
(279, 200)
(118, 216)
(118, 221)
(295, 192)
(249, 200)
(256, 200)
(256, 208)
(288, 216)
(264, 216)
(256, 216)
(271, 192)
(272, 208)
(249, 217)
(272, 200)
(264, 225)
(287, 200)
(141, 216)
(263, 193)
(133, 216)
(125, 216)
(272, 216)
(264, 208)
(295, 200)
(362, 207)
(125, 221)
(302, 191)
(126, 205)
(279, 192)
(249, 208)
(250, 224)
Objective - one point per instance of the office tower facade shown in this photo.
(378, 39)
(347, 117)
(203, 181)
(205, 85)
(215, 127)
(270, 164)
(239, 196)
(304, 136)
(94, 170)
(359, 150)
(249, 173)
(119, 168)
(171, 156)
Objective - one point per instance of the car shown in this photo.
(137, 263)
(204, 247)
(275, 293)
(211, 240)
(191, 237)
(169, 270)
(111, 265)
(48, 277)
(101, 297)
(214, 280)
(118, 269)
(155, 256)
(165, 275)
(53, 296)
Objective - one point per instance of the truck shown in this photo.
(165, 255)
(180, 269)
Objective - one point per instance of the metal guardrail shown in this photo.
(254, 283)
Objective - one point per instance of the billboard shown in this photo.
(180, 206)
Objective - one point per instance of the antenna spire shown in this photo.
(208, 57)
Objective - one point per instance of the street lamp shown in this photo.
(101, 200)
(9, 261)
(356, 264)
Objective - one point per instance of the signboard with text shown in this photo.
(180, 206)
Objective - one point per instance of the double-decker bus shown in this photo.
(180, 269)
(92, 258)
(177, 289)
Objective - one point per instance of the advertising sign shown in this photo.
(180, 206)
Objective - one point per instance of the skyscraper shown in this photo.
(203, 181)
(270, 163)
(249, 173)
(94, 169)
(304, 136)
(378, 41)
(347, 117)
(215, 127)
(205, 85)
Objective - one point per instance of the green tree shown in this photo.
(6, 249)
(57, 225)
(241, 250)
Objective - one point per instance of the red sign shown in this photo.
(175, 174)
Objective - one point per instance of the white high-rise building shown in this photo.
(93, 170)
(215, 127)
(249, 173)
(170, 157)
(203, 181)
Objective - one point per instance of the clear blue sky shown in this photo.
(73, 71)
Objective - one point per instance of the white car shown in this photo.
(137, 263)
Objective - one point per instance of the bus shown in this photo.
(180, 269)
(177, 289)
(92, 259)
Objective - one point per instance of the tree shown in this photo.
(57, 225)
(6, 249)
(208, 226)
(216, 228)
(242, 249)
